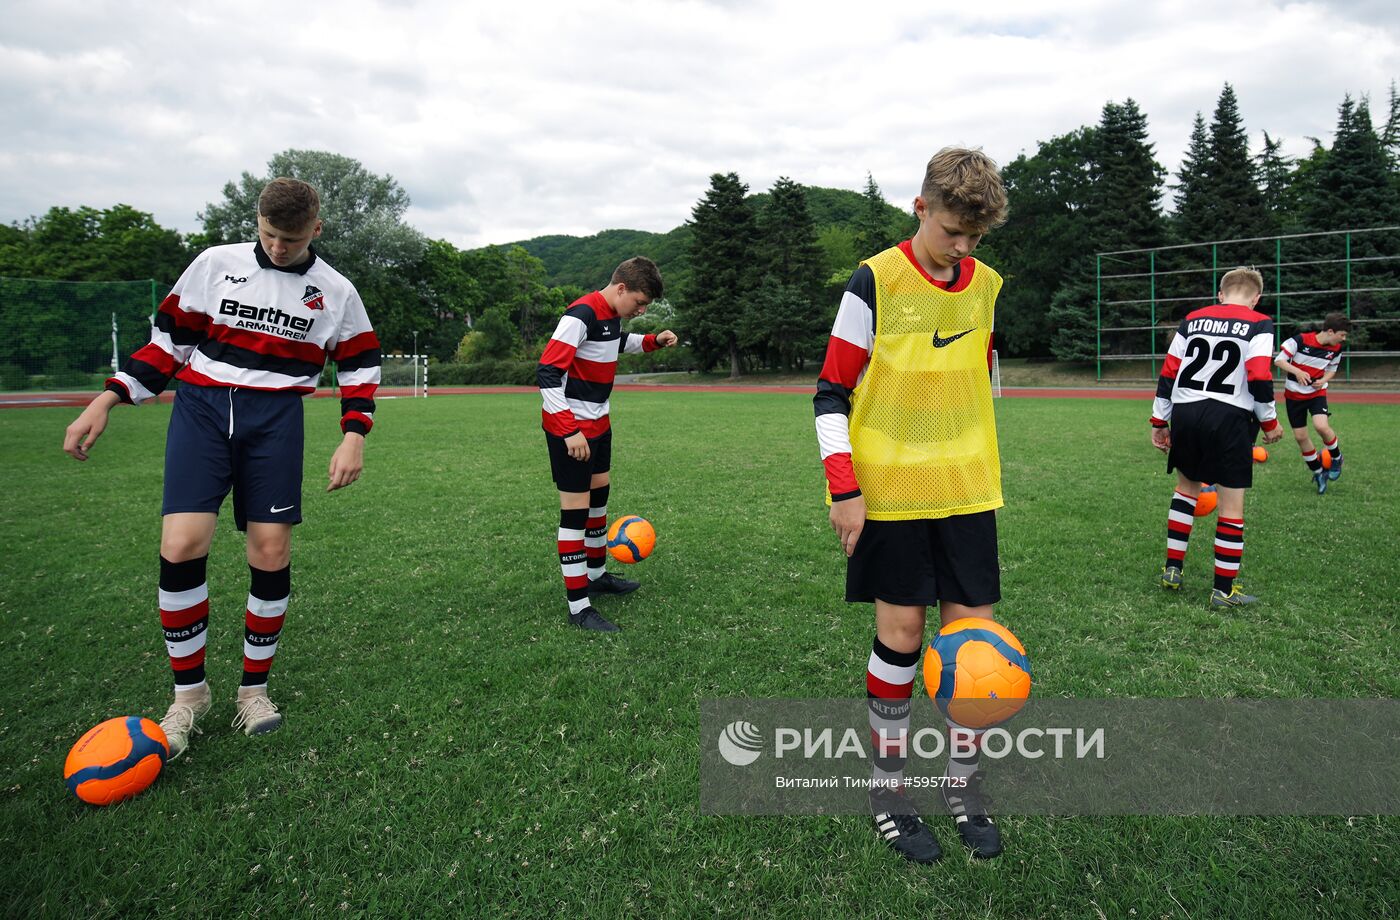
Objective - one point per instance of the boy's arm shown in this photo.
(1284, 362)
(357, 365)
(176, 332)
(554, 366)
(1259, 377)
(847, 354)
(633, 344)
(1331, 371)
(1166, 381)
(180, 325)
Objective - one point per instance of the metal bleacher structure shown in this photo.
(1142, 294)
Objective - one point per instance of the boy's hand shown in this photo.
(1271, 437)
(578, 444)
(88, 426)
(1162, 439)
(347, 462)
(848, 520)
(1303, 378)
(666, 338)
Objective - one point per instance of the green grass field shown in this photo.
(452, 749)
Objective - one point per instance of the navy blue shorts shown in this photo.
(247, 441)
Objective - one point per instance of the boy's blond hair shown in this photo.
(1247, 281)
(289, 204)
(967, 183)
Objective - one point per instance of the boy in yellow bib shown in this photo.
(908, 440)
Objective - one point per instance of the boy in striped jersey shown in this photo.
(1215, 387)
(575, 377)
(1308, 362)
(247, 330)
(908, 441)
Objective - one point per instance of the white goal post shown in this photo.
(996, 375)
(403, 375)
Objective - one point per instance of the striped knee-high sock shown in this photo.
(1314, 460)
(184, 615)
(1180, 516)
(964, 756)
(595, 534)
(268, 594)
(1335, 449)
(889, 684)
(571, 557)
(1229, 550)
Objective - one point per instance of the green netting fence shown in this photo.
(66, 334)
(1142, 294)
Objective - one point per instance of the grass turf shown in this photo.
(451, 748)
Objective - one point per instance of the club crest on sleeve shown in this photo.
(313, 298)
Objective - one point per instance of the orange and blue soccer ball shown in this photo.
(1326, 459)
(977, 672)
(631, 539)
(1206, 501)
(116, 759)
(1260, 454)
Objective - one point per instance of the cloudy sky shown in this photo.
(507, 120)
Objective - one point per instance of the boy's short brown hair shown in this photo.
(289, 204)
(639, 274)
(1247, 281)
(1336, 322)
(967, 183)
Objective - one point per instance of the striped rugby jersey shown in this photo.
(234, 319)
(1307, 352)
(578, 366)
(848, 353)
(1219, 353)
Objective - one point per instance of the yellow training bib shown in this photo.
(923, 436)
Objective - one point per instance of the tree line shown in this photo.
(753, 280)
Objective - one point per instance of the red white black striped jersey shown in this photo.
(578, 366)
(1220, 353)
(1307, 352)
(234, 319)
(848, 353)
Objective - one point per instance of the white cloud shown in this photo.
(505, 121)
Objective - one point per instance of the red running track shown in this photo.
(77, 400)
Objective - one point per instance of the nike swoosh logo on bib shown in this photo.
(940, 342)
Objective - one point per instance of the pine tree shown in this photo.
(1192, 186)
(1124, 214)
(1390, 135)
(1043, 239)
(786, 322)
(1354, 186)
(722, 277)
(1273, 173)
(1235, 207)
(873, 231)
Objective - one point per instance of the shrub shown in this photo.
(13, 377)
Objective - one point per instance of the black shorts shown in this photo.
(1213, 443)
(1300, 409)
(572, 475)
(247, 441)
(919, 563)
